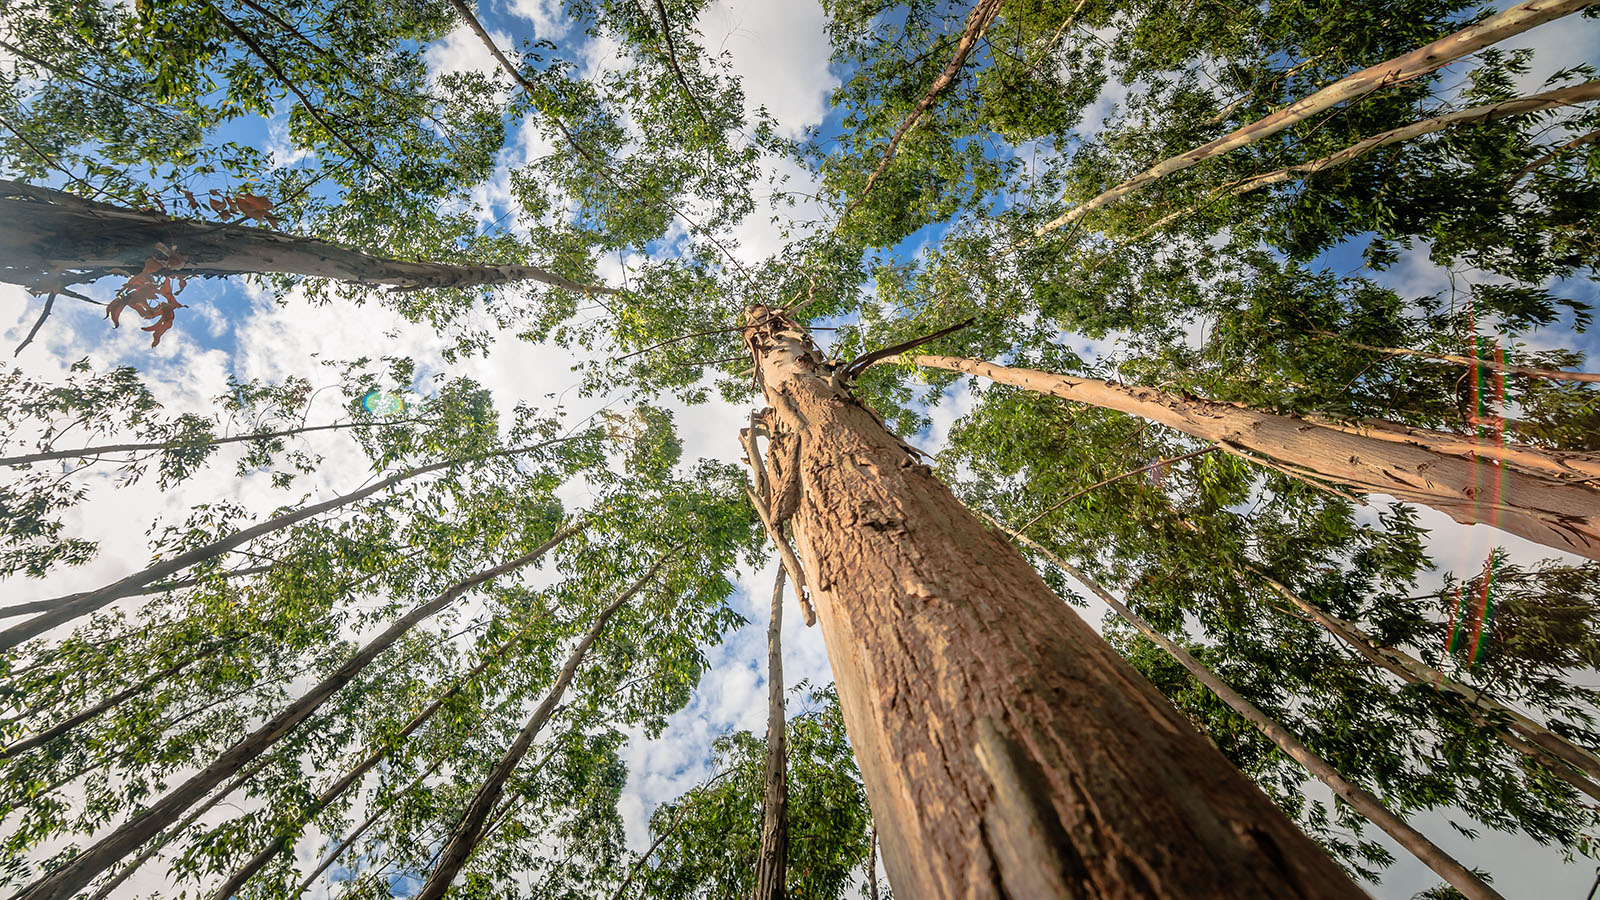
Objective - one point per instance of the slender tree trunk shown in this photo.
(45, 233)
(1473, 362)
(1418, 62)
(872, 865)
(772, 861)
(1006, 749)
(1431, 855)
(351, 778)
(37, 606)
(75, 875)
(1414, 671)
(1516, 488)
(65, 609)
(361, 829)
(1477, 115)
(86, 452)
(166, 837)
(471, 827)
(99, 709)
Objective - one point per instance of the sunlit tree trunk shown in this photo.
(1370, 807)
(1541, 495)
(1006, 749)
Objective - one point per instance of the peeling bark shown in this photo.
(772, 861)
(45, 234)
(1533, 493)
(1430, 854)
(1007, 751)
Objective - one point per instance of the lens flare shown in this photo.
(383, 403)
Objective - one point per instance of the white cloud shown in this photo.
(462, 51)
(780, 51)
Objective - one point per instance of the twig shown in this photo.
(49, 304)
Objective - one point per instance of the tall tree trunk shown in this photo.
(166, 837)
(772, 861)
(101, 450)
(36, 606)
(1435, 858)
(1516, 488)
(1414, 671)
(351, 778)
(1007, 751)
(72, 606)
(46, 234)
(76, 874)
(359, 830)
(469, 831)
(1421, 61)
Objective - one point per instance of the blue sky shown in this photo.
(780, 51)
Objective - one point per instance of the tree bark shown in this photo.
(76, 874)
(1006, 750)
(45, 233)
(1448, 867)
(471, 827)
(1418, 62)
(72, 606)
(1414, 671)
(772, 861)
(1516, 488)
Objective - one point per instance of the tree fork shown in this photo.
(1516, 488)
(1006, 749)
(1430, 854)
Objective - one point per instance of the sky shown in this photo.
(780, 51)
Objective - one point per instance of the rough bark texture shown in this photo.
(1007, 751)
(472, 827)
(75, 875)
(1431, 855)
(43, 232)
(1524, 490)
(1418, 62)
(1414, 671)
(772, 862)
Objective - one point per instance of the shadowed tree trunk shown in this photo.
(45, 234)
(77, 873)
(1006, 749)
(470, 830)
(1431, 855)
(772, 861)
(1544, 496)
